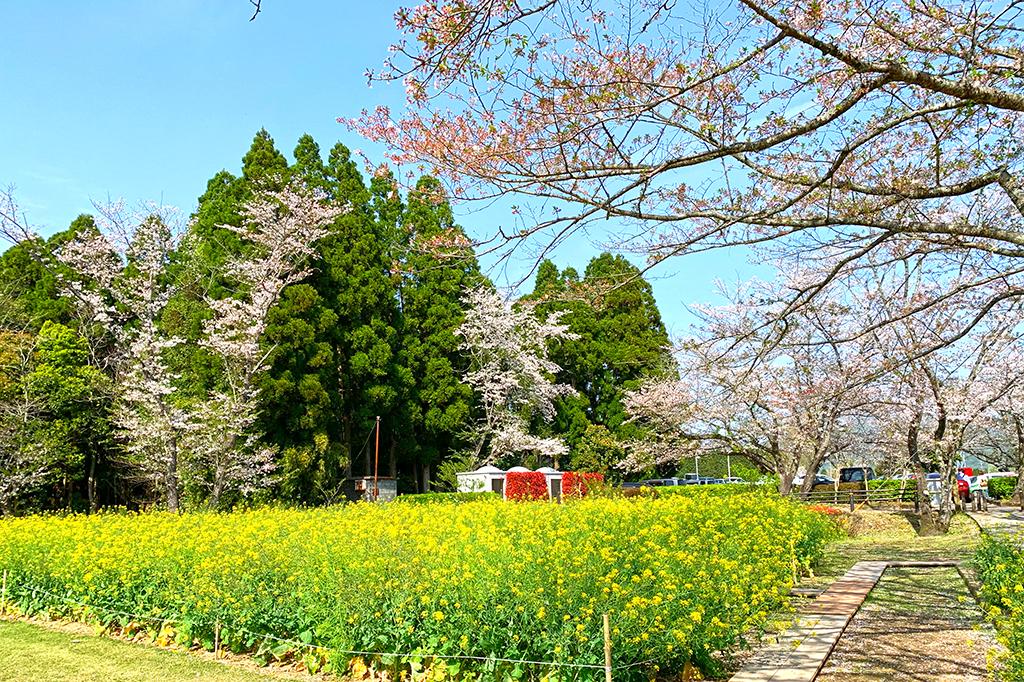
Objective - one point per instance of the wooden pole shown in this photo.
(216, 639)
(3, 595)
(376, 458)
(607, 650)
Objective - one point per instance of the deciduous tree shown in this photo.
(837, 131)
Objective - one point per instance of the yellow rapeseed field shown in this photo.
(451, 589)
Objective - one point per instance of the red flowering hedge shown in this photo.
(526, 485)
(577, 483)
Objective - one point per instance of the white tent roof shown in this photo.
(517, 469)
(548, 470)
(488, 469)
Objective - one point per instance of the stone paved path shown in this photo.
(918, 624)
(803, 649)
(1001, 522)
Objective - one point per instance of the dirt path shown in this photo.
(916, 624)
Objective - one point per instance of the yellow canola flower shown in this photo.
(445, 579)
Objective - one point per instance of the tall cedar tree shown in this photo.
(439, 268)
(358, 255)
(621, 340)
(301, 393)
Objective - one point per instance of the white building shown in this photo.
(485, 479)
(492, 479)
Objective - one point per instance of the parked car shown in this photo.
(734, 479)
(856, 474)
(662, 481)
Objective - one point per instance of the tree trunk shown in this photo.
(786, 482)
(393, 455)
(172, 485)
(90, 484)
(347, 430)
(1018, 490)
(927, 518)
(218, 486)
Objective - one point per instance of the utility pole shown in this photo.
(376, 458)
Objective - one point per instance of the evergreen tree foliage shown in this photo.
(440, 266)
(72, 423)
(621, 340)
(29, 280)
(370, 332)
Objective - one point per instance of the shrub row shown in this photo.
(524, 486)
(681, 577)
(448, 498)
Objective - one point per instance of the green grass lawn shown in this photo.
(890, 536)
(40, 654)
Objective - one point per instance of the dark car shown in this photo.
(856, 474)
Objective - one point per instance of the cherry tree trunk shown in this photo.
(173, 501)
(786, 482)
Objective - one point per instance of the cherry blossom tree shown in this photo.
(122, 286)
(511, 375)
(785, 403)
(946, 404)
(281, 228)
(840, 131)
(125, 285)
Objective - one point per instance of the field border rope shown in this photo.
(608, 667)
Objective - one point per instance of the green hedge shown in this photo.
(447, 498)
(1002, 488)
(715, 489)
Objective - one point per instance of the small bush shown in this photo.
(1000, 567)
(1002, 488)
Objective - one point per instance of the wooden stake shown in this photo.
(607, 650)
(216, 639)
(376, 459)
(3, 595)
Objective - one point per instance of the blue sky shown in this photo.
(147, 100)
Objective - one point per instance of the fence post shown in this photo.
(852, 508)
(607, 650)
(3, 595)
(216, 639)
